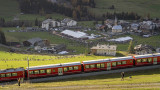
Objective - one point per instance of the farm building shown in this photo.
(158, 50)
(49, 23)
(68, 22)
(143, 49)
(121, 39)
(75, 34)
(36, 42)
(104, 50)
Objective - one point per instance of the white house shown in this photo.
(104, 50)
(68, 22)
(117, 29)
(134, 26)
(49, 23)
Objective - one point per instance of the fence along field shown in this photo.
(13, 60)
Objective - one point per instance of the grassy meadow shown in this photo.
(13, 60)
(142, 7)
(141, 80)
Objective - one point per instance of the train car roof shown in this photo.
(156, 54)
(53, 65)
(96, 61)
(143, 56)
(121, 58)
(71, 64)
(11, 70)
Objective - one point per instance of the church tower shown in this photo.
(115, 21)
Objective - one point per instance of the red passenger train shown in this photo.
(77, 67)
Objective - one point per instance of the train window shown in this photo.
(42, 71)
(36, 72)
(14, 74)
(98, 65)
(70, 68)
(8, 75)
(2, 75)
(138, 60)
(130, 61)
(155, 59)
(75, 67)
(54, 70)
(48, 71)
(102, 65)
(123, 62)
(30, 72)
(92, 66)
(119, 63)
(114, 64)
(65, 69)
(149, 60)
(86, 66)
(144, 60)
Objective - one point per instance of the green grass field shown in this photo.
(141, 80)
(13, 60)
(142, 7)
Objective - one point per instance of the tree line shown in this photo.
(20, 23)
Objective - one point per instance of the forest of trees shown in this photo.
(78, 11)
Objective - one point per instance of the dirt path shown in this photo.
(94, 87)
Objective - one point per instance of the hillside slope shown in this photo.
(9, 8)
(142, 7)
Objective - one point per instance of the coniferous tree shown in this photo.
(2, 37)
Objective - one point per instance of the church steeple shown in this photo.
(115, 21)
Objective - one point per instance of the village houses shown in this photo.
(104, 50)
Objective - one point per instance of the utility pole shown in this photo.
(28, 67)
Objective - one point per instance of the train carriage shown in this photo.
(54, 69)
(157, 55)
(70, 68)
(43, 71)
(148, 59)
(121, 62)
(11, 74)
(96, 65)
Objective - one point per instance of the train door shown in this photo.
(60, 71)
(154, 60)
(108, 66)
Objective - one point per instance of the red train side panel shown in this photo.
(12, 74)
(141, 60)
(158, 57)
(96, 65)
(54, 70)
(122, 62)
